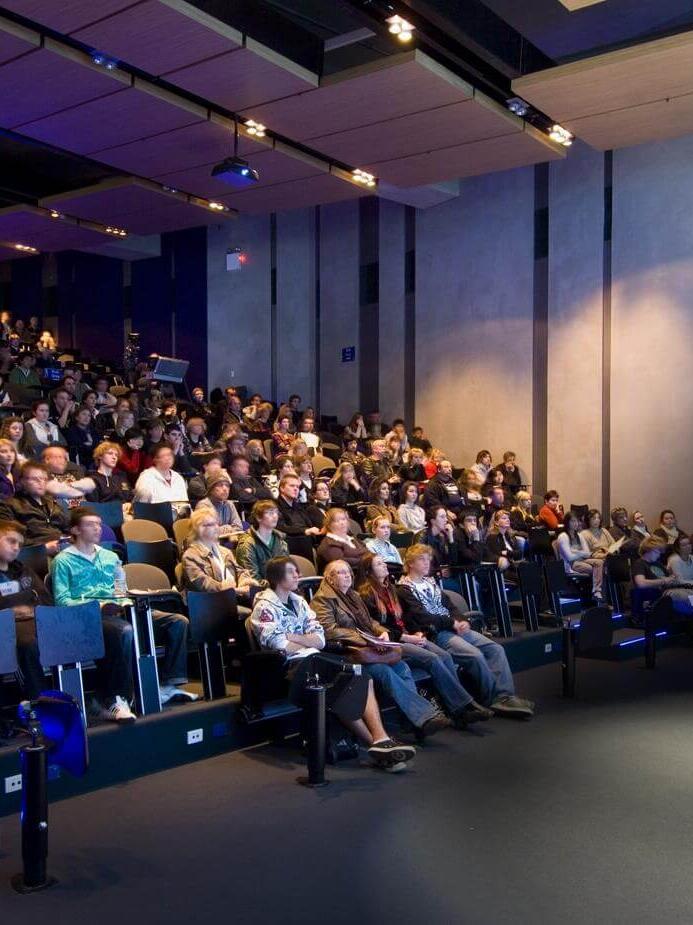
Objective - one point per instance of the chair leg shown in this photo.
(568, 661)
(213, 672)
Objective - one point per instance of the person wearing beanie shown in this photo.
(217, 499)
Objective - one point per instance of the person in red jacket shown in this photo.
(133, 460)
(551, 514)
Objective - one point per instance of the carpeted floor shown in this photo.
(584, 815)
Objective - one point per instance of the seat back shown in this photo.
(618, 568)
(160, 512)
(305, 566)
(35, 558)
(556, 578)
(69, 634)
(402, 538)
(143, 531)
(596, 630)
(307, 587)
(539, 542)
(323, 463)
(181, 528)
(161, 554)
(269, 449)
(354, 528)
(253, 644)
(529, 579)
(110, 512)
(457, 600)
(142, 577)
(8, 642)
(212, 615)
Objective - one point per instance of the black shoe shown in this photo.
(511, 706)
(389, 752)
(435, 724)
(472, 713)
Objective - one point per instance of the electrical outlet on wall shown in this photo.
(195, 736)
(13, 784)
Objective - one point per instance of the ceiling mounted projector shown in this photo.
(236, 171)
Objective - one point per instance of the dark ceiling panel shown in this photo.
(66, 15)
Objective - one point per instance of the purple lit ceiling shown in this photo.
(294, 194)
(66, 15)
(24, 225)
(15, 41)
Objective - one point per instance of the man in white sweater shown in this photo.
(162, 483)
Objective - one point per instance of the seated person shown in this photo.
(649, 572)
(319, 503)
(381, 502)
(380, 597)
(12, 429)
(306, 432)
(197, 486)
(495, 479)
(283, 622)
(217, 500)
(419, 439)
(443, 489)
(379, 543)
(413, 469)
(596, 536)
(521, 517)
(162, 483)
(304, 470)
(351, 453)
(551, 514)
(294, 521)
(399, 432)
(259, 466)
(344, 617)
(66, 480)
(208, 565)
(639, 527)
(433, 459)
(24, 374)
(337, 542)
(42, 518)
(574, 552)
(680, 562)
(496, 502)
(621, 530)
(244, 487)
(355, 430)
(395, 452)
(109, 483)
(8, 466)
(470, 547)
(133, 459)
(282, 436)
(502, 544)
(512, 478)
(263, 541)
(21, 589)
(377, 466)
(668, 529)
(196, 432)
(482, 466)
(259, 425)
(345, 487)
(39, 431)
(439, 536)
(426, 610)
(87, 572)
(410, 513)
(471, 491)
(182, 462)
(81, 437)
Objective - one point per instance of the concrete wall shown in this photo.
(576, 245)
(474, 304)
(392, 298)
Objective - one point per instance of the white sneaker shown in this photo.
(170, 692)
(118, 712)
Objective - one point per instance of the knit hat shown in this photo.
(216, 479)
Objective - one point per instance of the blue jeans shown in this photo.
(397, 682)
(171, 630)
(441, 667)
(484, 659)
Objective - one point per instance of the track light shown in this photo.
(116, 232)
(561, 135)
(55, 214)
(26, 248)
(517, 105)
(216, 206)
(102, 61)
(255, 128)
(361, 176)
(400, 27)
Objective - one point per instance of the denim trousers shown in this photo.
(484, 659)
(441, 667)
(397, 682)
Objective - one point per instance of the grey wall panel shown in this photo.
(296, 304)
(652, 319)
(474, 263)
(576, 210)
(392, 252)
(339, 307)
(238, 305)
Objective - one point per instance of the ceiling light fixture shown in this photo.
(103, 61)
(55, 214)
(362, 176)
(26, 248)
(400, 27)
(216, 206)
(116, 232)
(255, 128)
(561, 135)
(518, 106)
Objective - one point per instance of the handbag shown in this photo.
(369, 655)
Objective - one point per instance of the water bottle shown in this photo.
(120, 585)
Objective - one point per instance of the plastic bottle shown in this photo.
(120, 585)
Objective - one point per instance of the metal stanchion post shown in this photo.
(34, 821)
(568, 660)
(316, 715)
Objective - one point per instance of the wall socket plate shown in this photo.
(13, 784)
(195, 736)
(548, 647)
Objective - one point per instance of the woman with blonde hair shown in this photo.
(521, 517)
(337, 543)
(502, 543)
(208, 566)
(8, 463)
(345, 487)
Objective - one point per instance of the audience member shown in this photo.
(512, 478)
(12, 429)
(210, 566)
(244, 487)
(413, 470)
(42, 518)
(551, 514)
(162, 483)
(345, 487)
(482, 466)
(109, 483)
(81, 437)
(197, 486)
(263, 541)
(668, 529)
(521, 517)
(381, 502)
(8, 464)
(439, 537)
(504, 547)
(319, 503)
(597, 537)
(379, 543)
(680, 562)
(419, 439)
(574, 552)
(377, 467)
(39, 431)
(337, 543)
(66, 480)
(410, 513)
(648, 572)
